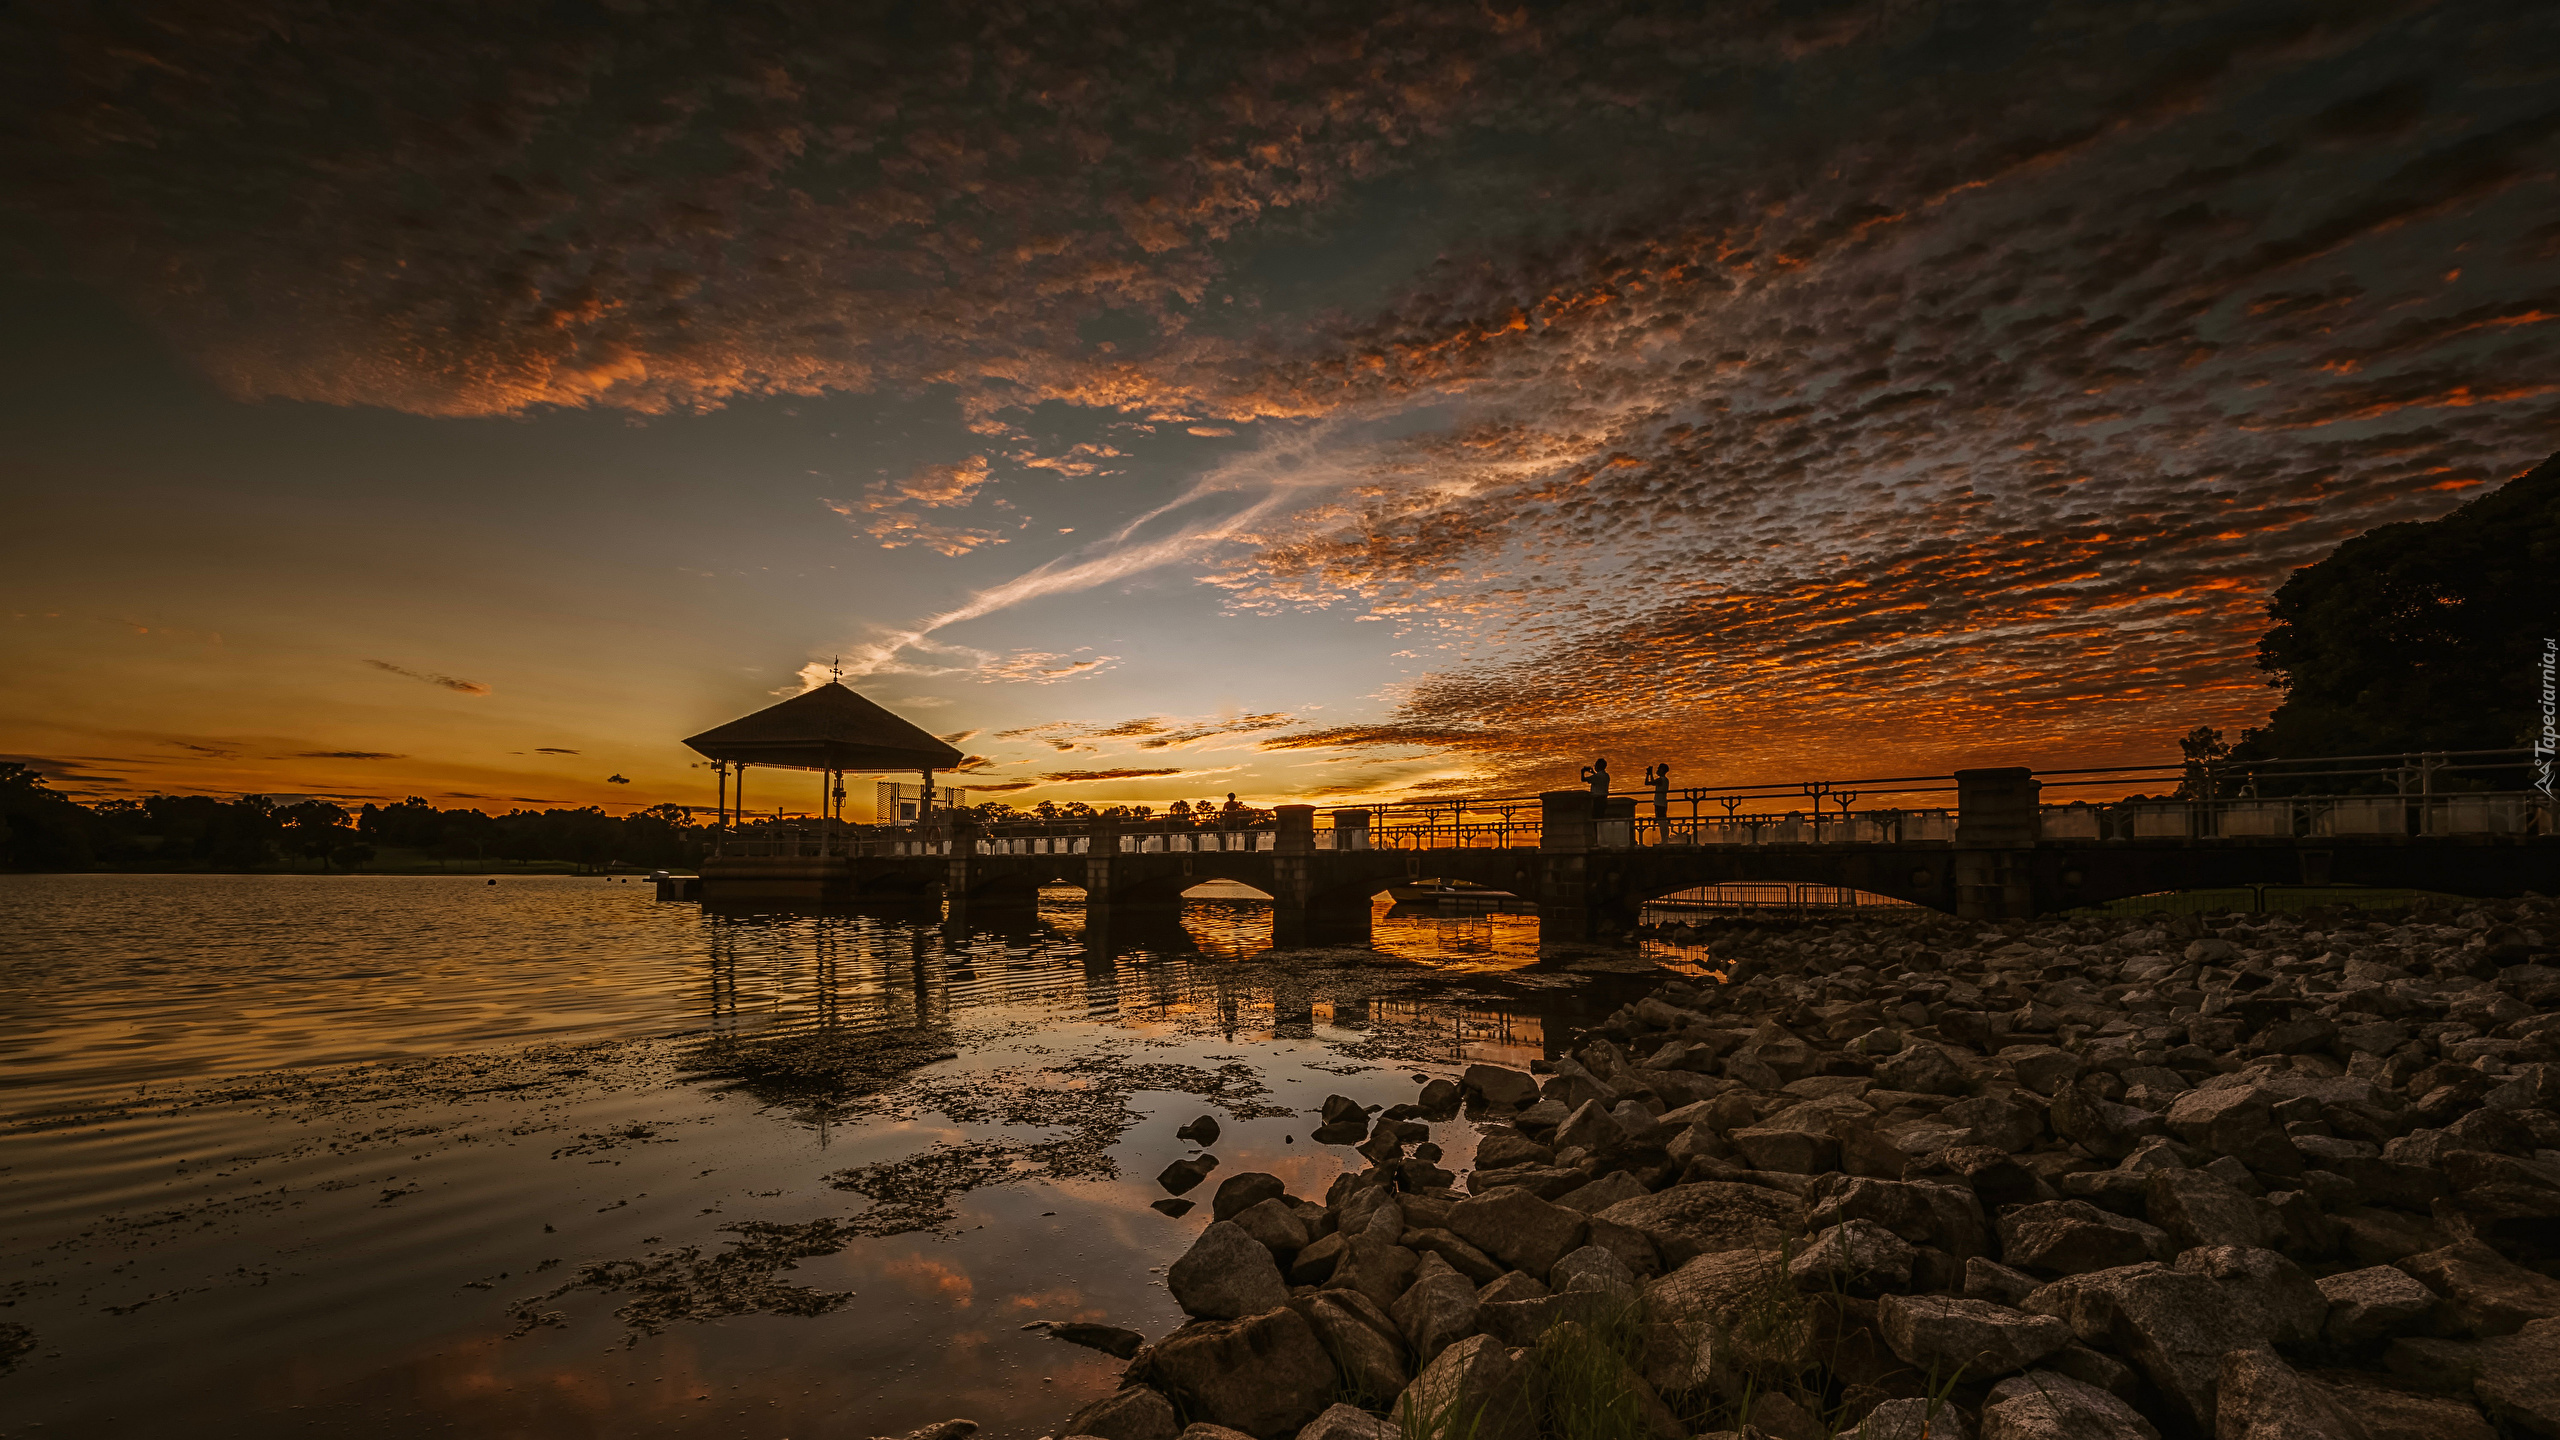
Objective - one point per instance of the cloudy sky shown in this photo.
(1312, 400)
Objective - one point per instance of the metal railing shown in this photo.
(2505, 812)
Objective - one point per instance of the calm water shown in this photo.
(470, 1092)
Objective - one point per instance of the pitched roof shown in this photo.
(829, 728)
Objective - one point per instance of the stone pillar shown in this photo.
(1996, 832)
(1564, 845)
(1350, 830)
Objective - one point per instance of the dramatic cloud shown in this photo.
(552, 750)
(1764, 386)
(348, 755)
(1077, 777)
(460, 687)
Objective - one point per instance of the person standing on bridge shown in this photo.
(1659, 777)
(1596, 775)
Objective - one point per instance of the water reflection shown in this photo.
(338, 1266)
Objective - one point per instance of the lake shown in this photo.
(428, 1156)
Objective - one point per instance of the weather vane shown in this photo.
(835, 669)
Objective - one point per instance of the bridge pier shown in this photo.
(1994, 854)
(1582, 889)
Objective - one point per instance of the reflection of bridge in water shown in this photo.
(778, 971)
(2001, 851)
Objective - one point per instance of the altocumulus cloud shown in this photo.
(1762, 383)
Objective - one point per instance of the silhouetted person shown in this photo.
(1231, 813)
(1596, 775)
(1659, 777)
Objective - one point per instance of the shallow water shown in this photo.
(465, 1094)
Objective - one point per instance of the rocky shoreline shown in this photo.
(2081, 1179)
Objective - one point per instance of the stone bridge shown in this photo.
(1589, 875)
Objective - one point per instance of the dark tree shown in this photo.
(2422, 635)
(40, 829)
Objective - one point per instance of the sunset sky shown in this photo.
(470, 401)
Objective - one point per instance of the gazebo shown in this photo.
(830, 730)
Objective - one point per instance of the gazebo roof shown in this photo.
(829, 728)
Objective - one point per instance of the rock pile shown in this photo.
(2247, 1178)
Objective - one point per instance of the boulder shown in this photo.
(1941, 1334)
(1602, 1193)
(1226, 1275)
(1476, 1388)
(1725, 1302)
(1589, 1127)
(2101, 1127)
(2043, 1068)
(1687, 1221)
(1375, 1269)
(2001, 1124)
(1924, 1212)
(1791, 1149)
(1498, 1086)
(1593, 1268)
(1349, 1422)
(1519, 1229)
(2519, 1380)
(1342, 1110)
(1437, 1310)
(1315, 1264)
(2174, 1325)
(1859, 1256)
(2237, 1121)
(1184, 1175)
(2074, 1237)
(1502, 1152)
(2197, 1208)
(1366, 1344)
(1239, 1193)
(1139, 1412)
(2261, 1398)
(2049, 1405)
(1991, 1280)
(1203, 1430)
(1467, 1260)
(1911, 1419)
(2373, 1304)
(2485, 1293)
(1514, 1285)
(1203, 1131)
(1276, 1224)
(1923, 1069)
(1266, 1375)
(942, 1430)
(2270, 1293)
(2389, 1413)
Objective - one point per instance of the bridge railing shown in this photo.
(2482, 813)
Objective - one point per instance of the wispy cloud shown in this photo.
(458, 686)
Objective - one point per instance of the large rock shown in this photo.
(2519, 1382)
(1922, 1068)
(2197, 1208)
(1941, 1334)
(1499, 1086)
(1855, 1255)
(1589, 1127)
(1593, 1268)
(2177, 1324)
(2373, 1304)
(2237, 1121)
(1139, 1412)
(2049, 1405)
(1365, 1343)
(1738, 1306)
(1502, 1152)
(1375, 1269)
(1349, 1422)
(2074, 1237)
(2485, 1292)
(1477, 1388)
(1437, 1310)
(1467, 1260)
(2102, 1127)
(2002, 1124)
(1226, 1275)
(1604, 1192)
(1275, 1224)
(2261, 1398)
(1912, 1419)
(1266, 1375)
(1687, 1221)
(2389, 1413)
(1519, 1229)
(1239, 1193)
(1924, 1212)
